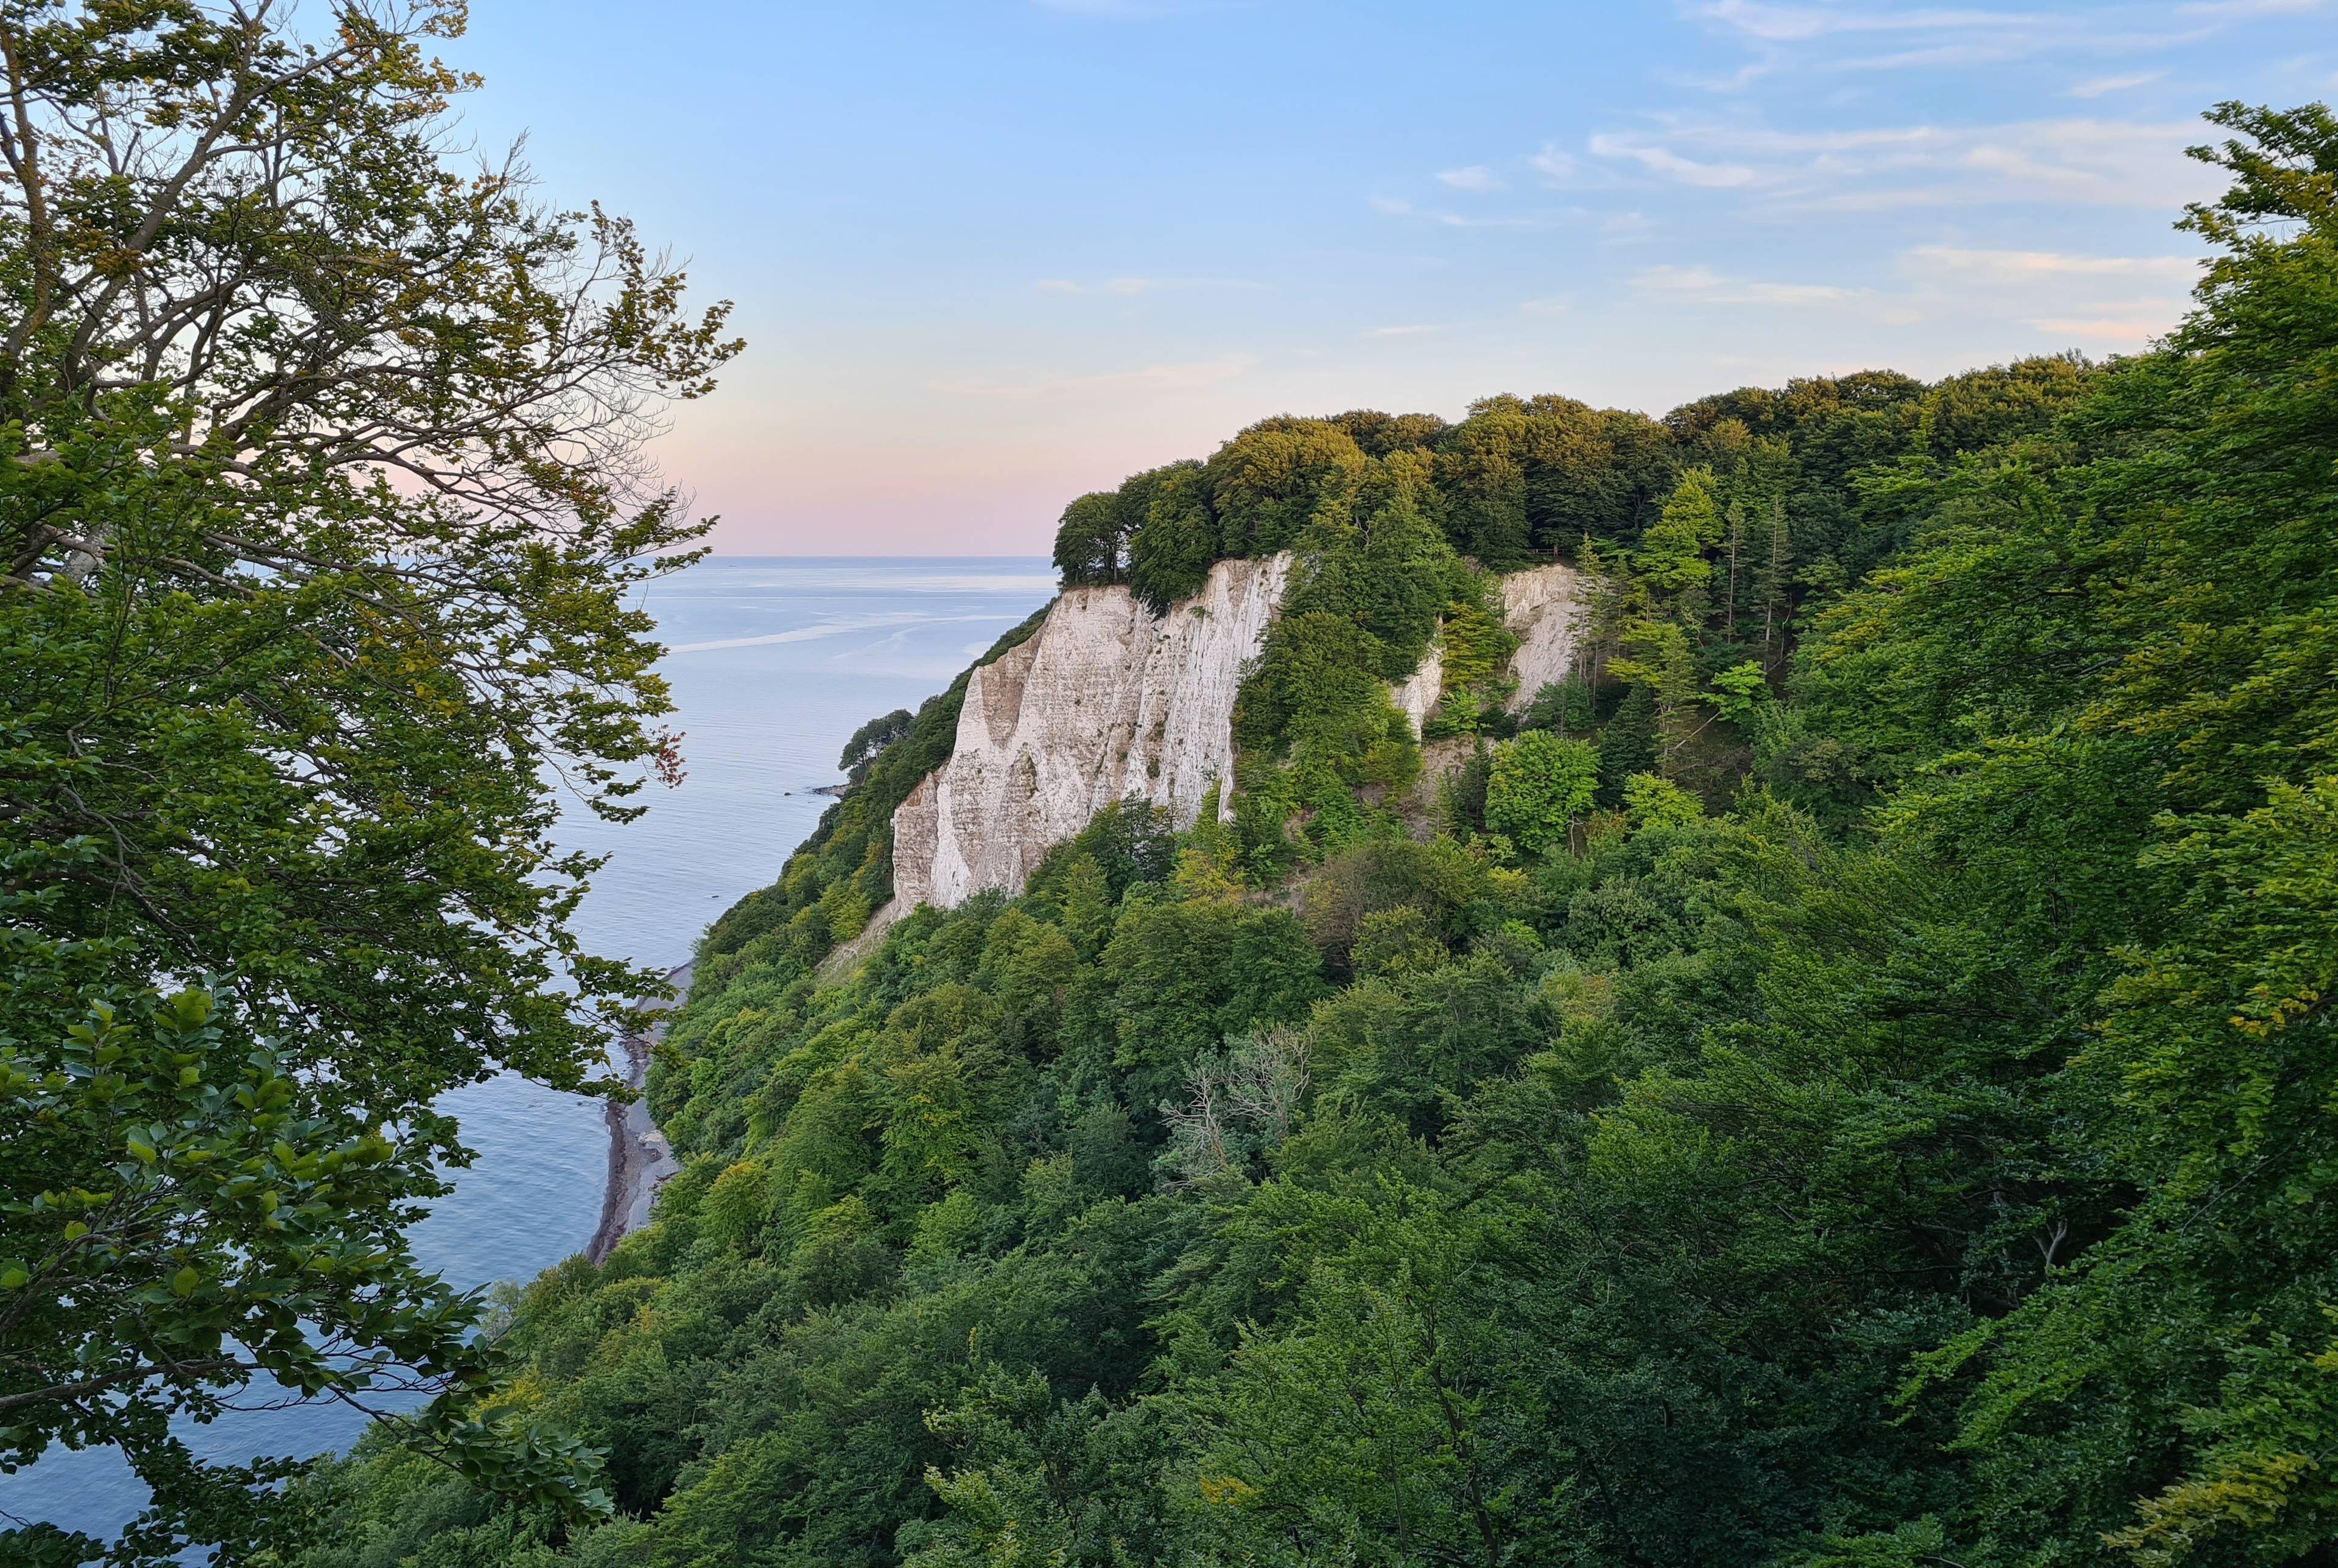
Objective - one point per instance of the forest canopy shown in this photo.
(1845, 1081)
(1842, 1078)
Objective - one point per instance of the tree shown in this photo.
(1672, 552)
(1774, 579)
(1091, 544)
(872, 738)
(1650, 801)
(1267, 484)
(1627, 745)
(1176, 541)
(1538, 784)
(1482, 470)
(185, 1212)
(320, 508)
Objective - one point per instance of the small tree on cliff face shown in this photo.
(321, 502)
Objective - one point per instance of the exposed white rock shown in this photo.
(1419, 692)
(1104, 702)
(1544, 607)
(1108, 700)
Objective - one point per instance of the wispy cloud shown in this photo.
(2238, 10)
(1704, 286)
(1187, 376)
(1661, 160)
(1411, 330)
(1736, 80)
(1476, 177)
(1114, 10)
(2091, 302)
(2081, 161)
(1553, 304)
(2137, 331)
(2095, 87)
(1796, 23)
(1866, 36)
(1556, 164)
(1128, 287)
(2025, 266)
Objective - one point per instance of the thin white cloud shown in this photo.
(1736, 80)
(1130, 286)
(2110, 329)
(1509, 221)
(1476, 177)
(1797, 24)
(1704, 286)
(1411, 330)
(1187, 376)
(2028, 266)
(2240, 9)
(1112, 10)
(1391, 206)
(2068, 162)
(1661, 160)
(1555, 305)
(2095, 87)
(1556, 164)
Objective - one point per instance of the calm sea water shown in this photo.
(773, 662)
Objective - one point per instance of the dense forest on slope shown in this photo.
(1875, 1109)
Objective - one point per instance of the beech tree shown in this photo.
(321, 501)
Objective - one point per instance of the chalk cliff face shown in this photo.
(1108, 700)
(1544, 609)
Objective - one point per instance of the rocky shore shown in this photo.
(639, 1158)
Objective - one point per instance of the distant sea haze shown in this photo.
(774, 661)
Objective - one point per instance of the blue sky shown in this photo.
(992, 253)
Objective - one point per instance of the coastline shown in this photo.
(640, 1160)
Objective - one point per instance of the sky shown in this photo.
(990, 254)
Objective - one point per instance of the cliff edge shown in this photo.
(1109, 700)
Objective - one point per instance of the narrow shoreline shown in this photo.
(640, 1160)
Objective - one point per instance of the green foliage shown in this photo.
(1092, 541)
(1927, 1160)
(323, 526)
(1271, 482)
(873, 738)
(1650, 801)
(1737, 689)
(1475, 661)
(1177, 537)
(1562, 707)
(1627, 745)
(1673, 551)
(1537, 785)
(846, 867)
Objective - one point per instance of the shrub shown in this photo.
(1537, 784)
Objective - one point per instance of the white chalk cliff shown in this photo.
(1108, 700)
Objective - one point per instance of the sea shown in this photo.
(773, 662)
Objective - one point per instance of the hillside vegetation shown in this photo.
(1846, 1079)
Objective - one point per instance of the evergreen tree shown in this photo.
(1627, 745)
